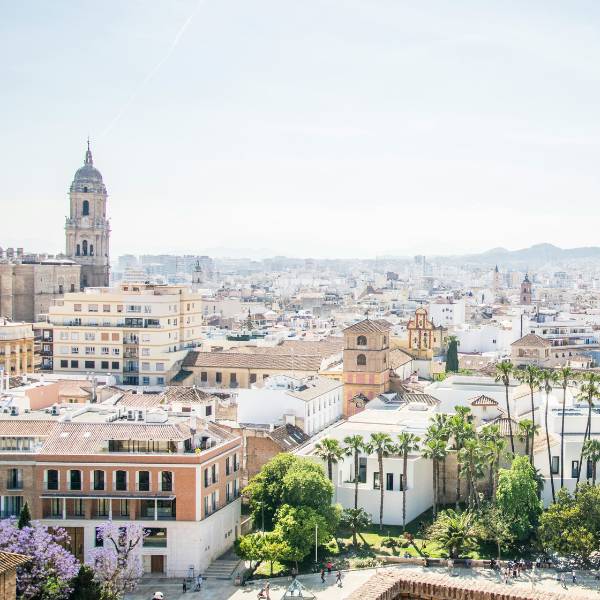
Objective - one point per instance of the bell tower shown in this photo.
(526, 290)
(87, 230)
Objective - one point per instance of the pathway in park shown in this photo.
(586, 588)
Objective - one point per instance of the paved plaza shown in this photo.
(544, 581)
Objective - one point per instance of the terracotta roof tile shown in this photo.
(369, 326)
(484, 400)
(531, 340)
(236, 360)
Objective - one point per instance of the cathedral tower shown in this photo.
(87, 229)
(526, 290)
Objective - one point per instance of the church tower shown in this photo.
(87, 229)
(526, 290)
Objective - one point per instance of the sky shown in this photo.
(322, 128)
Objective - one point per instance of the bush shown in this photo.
(365, 563)
(390, 542)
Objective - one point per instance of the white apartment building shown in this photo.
(139, 333)
(564, 332)
(447, 312)
(311, 403)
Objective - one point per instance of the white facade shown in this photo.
(447, 312)
(486, 338)
(312, 403)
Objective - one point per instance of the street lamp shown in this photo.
(316, 541)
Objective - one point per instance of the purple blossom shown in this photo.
(49, 559)
(117, 563)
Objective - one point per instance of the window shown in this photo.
(51, 479)
(574, 468)
(15, 479)
(90, 364)
(376, 480)
(77, 307)
(208, 411)
(204, 376)
(106, 308)
(361, 340)
(145, 380)
(156, 538)
(143, 481)
(74, 364)
(116, 351)
(115, 366)
(85, 209)
(232, 378)
(102, 508)
(64, 364)
(206, 506)
(74, 349)
(104, 365)
(227, 466)
(114, 337)
(555, 465)
(166, 481)
(362, 470)
(98, 480)
(78, 507)
(55, 507)
(99, 542)
(92, 307)
(590, 469)
(124, 508)
(74, 479)
(145, 366)
(160, 381)
(84, 247)
(90, 336)
(121, 481)
(389, 481)
(252, 377)
(236, 463)
(160, 366)
(218, 377)
(361, 360)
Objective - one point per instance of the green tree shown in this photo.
(407, 443)
(495, 528)
(355, 444)
(355, 519)
(590, 390)
(460, 429)
(571, 526)
(288, 480)
(503, 372)
(548, 379)
(24, 517)
(331, 452)
(297, 527)
(591, 451)
(452, 355)
(471, 459)
(530, 376)
(85, 586)
(495, 445)
(381, 444)
(250, 548)
(274, 548)
(434, 449)
(527, 432)
(565, 376)
(517, 498)
(456, 532)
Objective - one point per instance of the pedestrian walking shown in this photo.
(563, 583)
(338, 578)
(199, 583)
(329, 567)
(322, 575)
(184, 586)
(573, 577)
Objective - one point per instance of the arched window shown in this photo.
(91, 249)
(86, 208)
(85, 188)
(78, 251)
(361, 360)
(384, 340)
(361, 340)
(84, 248)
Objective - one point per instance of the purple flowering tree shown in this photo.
(51, 568)
(118, 563)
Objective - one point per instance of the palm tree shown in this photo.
(455, 531)
(527, 432)
(565, 375)
(330, 451)
(354, 445)
(591, 451)
(589, 391)
(548, 378)
(436, 450)
(382, 445)
(407, 443)
(440, 421)
(530, 376)
(496, 446)
(355, 519)
(503, 373)
(461, 429)
(471, 460)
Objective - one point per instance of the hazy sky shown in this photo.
(311, 128)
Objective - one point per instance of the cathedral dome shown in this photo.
(88, 178)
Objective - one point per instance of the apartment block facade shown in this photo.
(180, 479)
(139, 333)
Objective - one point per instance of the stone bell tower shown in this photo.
(87, 229)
